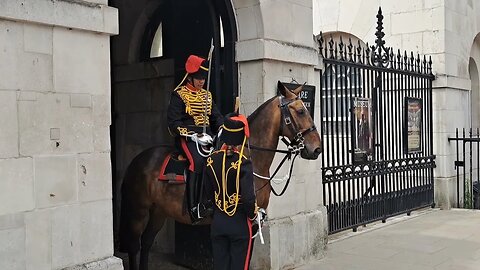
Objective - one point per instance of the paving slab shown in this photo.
(429, 239)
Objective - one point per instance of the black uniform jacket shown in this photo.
(186, 112)
(228, 219)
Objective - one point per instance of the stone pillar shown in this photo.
(276, 43)
(55, 193)
(452, 93)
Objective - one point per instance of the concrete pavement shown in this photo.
(428, 240)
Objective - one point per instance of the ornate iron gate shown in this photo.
(376, 112)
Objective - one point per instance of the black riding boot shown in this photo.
(205, 206)
(197, 208)
(192, 199)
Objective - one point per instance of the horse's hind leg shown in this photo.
(136, 227)
(155, 224)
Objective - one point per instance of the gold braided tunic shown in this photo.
(186, 112)
(196, 102)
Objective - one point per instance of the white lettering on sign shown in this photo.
(303, 95)
(360, 103)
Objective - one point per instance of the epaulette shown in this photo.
(178, 88)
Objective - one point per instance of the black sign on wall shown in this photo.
(307, 95)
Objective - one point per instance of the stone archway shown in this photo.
(142, 82)
(474, 94)
(474, 79)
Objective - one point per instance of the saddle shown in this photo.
(173, 168)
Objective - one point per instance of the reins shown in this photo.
(288, 156)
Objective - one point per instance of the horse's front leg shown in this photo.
(155, 224)
(262, 190)
(132, 260)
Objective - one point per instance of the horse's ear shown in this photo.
(281, 88)
(284, 90)
(297, 90)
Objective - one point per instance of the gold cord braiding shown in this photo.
(195, 104)
(228, 200)
(183, 131)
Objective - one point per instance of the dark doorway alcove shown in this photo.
(148, 56)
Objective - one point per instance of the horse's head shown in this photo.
(297, 124)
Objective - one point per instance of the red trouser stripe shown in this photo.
(189, 155)
(247, 259)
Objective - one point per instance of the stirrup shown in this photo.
(195, 215)
(195, 212)
(202, 210)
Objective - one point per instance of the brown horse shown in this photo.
(147, 202)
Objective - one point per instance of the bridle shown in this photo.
(293, 147)
(286, 117)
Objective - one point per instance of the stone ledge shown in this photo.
(77, 14)
(452, 82)
(261, 49)
(110, 263)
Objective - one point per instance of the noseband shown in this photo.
(286, 120)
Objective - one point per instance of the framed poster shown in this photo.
(362, 130)
(307, 95)
(412, 127)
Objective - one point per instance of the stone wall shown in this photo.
(55, 193)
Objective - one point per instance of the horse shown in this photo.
(147, 202)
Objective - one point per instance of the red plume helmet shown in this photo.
(197, 66)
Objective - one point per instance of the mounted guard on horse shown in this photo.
(147, 202)
(194, 120)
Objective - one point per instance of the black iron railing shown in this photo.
(467, 164)
(377, 130)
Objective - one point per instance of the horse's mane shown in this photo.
(254, 115)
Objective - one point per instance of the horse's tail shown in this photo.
(124, 233)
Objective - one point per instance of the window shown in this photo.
(339, 84)
(157, 44)
(222, 40)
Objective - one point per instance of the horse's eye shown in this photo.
(301, 111)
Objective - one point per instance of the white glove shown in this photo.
(263, 215)
(258, 223)
(204, 139)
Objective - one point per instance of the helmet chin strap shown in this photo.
(181, 83)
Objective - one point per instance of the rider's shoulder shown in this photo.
(180, 89)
